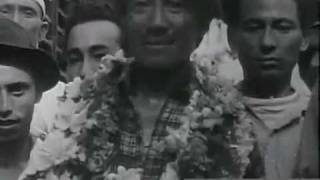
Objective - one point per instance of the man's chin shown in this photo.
(10, 136)
(161, 63)
(9, 139)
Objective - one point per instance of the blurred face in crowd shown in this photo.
(88, 43)
(17, 98)
(268, 37)
(160, 33)
(27, 13)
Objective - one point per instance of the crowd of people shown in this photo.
(268, 39)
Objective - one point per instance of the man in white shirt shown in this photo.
(268, 36)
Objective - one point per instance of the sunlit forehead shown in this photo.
(11, 75)
(269, 10)
(20, 4)
(89, 34)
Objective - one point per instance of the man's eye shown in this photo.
(29, 13)
(4, 10)
(17, 90)
(175, 6)
(140, 6)
(284, 27)
(98, 56)
(251, 27)
(74, 59)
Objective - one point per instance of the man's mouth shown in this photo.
(159, 43)
(269, 62)
(9, 122)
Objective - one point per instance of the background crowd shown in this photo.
(273, 62)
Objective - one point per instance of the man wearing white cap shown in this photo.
(30, 14)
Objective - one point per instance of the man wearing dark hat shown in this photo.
(25, 72)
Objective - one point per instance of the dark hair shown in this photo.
(87, 11)
(92, 10)
(231, 9)
(204, 10)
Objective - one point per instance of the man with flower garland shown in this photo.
(268, 36)
(160, 35)
(21, 85)
(148, 108)
(92, 32)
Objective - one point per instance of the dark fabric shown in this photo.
(18, 48)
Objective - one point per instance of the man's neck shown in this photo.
(266, 88)
(159, 82)
(15, 153)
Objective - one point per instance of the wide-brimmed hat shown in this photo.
(17, 48)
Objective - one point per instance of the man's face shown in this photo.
(27, 13)
(87, 44)
(268, 37)
(160, 33)
(17, 99)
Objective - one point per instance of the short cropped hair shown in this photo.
(204, 10)
(92, 10)
(88, 11)
(231, 9)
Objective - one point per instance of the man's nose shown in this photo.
(268, 41)
(159, 22)
(86, 69)
(5, 105)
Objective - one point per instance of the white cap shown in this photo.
(42, 5)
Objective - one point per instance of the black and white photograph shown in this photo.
(159, 89)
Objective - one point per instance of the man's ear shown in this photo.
(304, 44)
(44, 30)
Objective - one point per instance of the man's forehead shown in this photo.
(25, 3)
(11, 74)
(92, 33)
(269, 8)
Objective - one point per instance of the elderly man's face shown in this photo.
(160, 33)
(27, 13)
(87, 44)
(268, 37)
(17, 98)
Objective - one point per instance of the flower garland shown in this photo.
(217, 136)
(81, 144)
(214, 140)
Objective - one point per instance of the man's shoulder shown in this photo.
(45, 110)
(303, 100)
(55, 91)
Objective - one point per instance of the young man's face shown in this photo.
(17, 98)
(27, 13)
(268, 37)
(160, 33)
(87, 44)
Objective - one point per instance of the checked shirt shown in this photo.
(131, 152)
